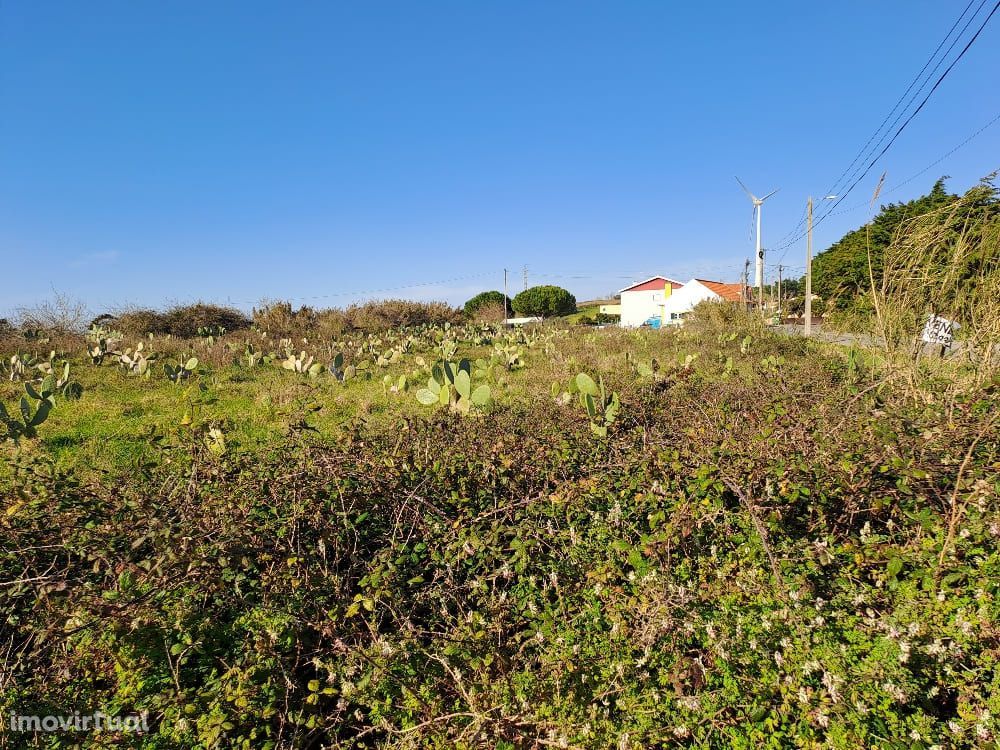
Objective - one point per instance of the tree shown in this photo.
(544, 301)
(840, 273)
(483, 299)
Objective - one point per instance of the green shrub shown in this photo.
(544, 301)
(486, 299)
(723, 316)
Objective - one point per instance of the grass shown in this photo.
(109, 429)
(582, 312)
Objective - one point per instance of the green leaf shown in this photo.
(586, 384)
(427, 397)
(482, 396)
(191, 363)
(44, 407)
(463, 383)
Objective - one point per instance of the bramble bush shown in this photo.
(772, 547)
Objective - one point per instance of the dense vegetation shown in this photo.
(487, 299)
(843, 276)
(713, 536)
(544, 301)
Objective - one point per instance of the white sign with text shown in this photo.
(939, 330)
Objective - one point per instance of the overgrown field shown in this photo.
(716, 537)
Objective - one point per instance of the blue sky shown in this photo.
(231, 151)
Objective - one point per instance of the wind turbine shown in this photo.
(759, 268)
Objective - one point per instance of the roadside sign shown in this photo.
(939, 330)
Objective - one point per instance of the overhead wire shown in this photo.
(863, 154)
(915, 112)
(782, 243)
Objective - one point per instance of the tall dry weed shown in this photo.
(945, 262)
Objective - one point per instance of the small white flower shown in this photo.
(904, 652)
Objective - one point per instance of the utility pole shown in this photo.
(525, 271)
(744, 283)
(807, 330)
(779, 293)
(759, 270)
(505, 294)
(809, 261)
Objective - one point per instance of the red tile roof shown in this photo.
(654, 284)
(728, 292)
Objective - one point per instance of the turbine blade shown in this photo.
(746, 190)
(769, 195)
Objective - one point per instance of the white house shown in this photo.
(645, 300)
(683, 300)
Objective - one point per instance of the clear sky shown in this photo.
(170, 151)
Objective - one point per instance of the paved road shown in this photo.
(833, 337)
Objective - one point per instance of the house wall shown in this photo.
(638, 307)
(683, 300)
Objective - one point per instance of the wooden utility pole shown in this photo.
(779, 292)
(744, 283)
(809, 268)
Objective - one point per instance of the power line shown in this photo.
(366, 292)
(783, 245)
(913, 114)
(861, 155)
(899, 185)
(863, 152)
